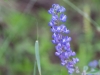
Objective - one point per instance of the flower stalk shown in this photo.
(60, 38)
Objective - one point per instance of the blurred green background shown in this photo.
(22, 22)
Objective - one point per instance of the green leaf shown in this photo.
(34, 72)
(37, 56)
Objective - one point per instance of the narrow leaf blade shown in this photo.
(37, 56)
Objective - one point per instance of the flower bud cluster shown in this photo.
(60, 38)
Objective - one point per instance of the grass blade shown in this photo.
(34, 72)
(37, 56)
(81, 12)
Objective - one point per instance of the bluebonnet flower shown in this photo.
(60, 38)
(93, 64)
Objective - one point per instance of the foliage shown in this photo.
(18, 33)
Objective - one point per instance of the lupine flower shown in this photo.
(60, 38)
(93, 64)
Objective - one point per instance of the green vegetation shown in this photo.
(19, 31)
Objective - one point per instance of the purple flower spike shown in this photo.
(62, 9)
(63, 18)
(55, 17)
(60, 38)
(93, 64)
(51, 23)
